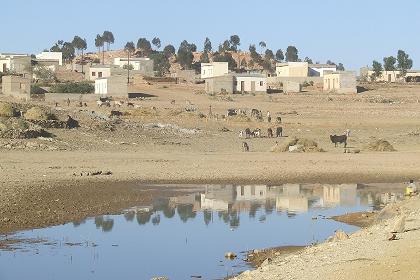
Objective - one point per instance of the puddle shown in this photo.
(187, 235)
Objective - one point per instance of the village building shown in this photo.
(112, 86)
(340, 82)
(237, 83)
(15, 63)
(104, 71)
(303, 69)
(17, 86)
(52, 57)
(142, 65)
(390, 76)
(214, 69)
(292, 87)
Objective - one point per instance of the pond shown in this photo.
(186, 233)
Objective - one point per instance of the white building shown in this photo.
(112, 86)
(51, 56)
(19, 63)
(250, 83)
(303, 69)
(214, 69)
(142, 64)
(244, 193)
(104, 71)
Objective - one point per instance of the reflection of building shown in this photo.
(344, 195)
(213, 204)
(251, 193)
(292, 199)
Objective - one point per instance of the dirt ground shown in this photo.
(45, 181)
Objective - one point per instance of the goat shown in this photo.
(245, 147)
(270, 133)
(279, 132)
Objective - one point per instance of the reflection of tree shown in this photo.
(224, 216)
(105, 223)
(234, 219)
(168, 212)
(270, 205)
(253, 210)
(143, 217)
(185, 212)
(207, 216)
(156, 220)
(78, 223)
(129, 216)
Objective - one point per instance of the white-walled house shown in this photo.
(104, 71)
(250, 83)
(214, 69)
(142, 64)
(52, 56)
(303, 69)
(18, 63)
(237, 83)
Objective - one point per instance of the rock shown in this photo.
(5, 220)
(230, 255)
(340, 235)
(267, 262)
(356, 151)
(399, 225)
(160, 278)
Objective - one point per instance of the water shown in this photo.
(187, 234)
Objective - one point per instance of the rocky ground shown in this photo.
(389, 249)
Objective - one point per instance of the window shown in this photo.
(261, 83)
(99, 74)
(93, 74)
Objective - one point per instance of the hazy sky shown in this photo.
(353, 32)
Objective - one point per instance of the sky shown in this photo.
(354, 32)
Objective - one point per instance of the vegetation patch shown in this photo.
(73, 87)
(297, 145)
(381, 146)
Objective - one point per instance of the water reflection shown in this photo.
(186, 231)
(228, 201)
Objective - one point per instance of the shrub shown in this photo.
(38, 113)
(37, 90)
(73, 87)
(7, 110)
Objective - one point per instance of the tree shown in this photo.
(279, 55)
(377, 70)
(235, 41)
(225, 57)
(307, 59)
(144, 46)
(193, 47)
(99, 42)
(225, 46)
(160, 63)
(156, 42)
(292, 54)
(205, 57)
(389, 63)
(185, 54)
(108, 38)
(169, 51)
(269, 55)
(329, 62)
(340, 67)
(263, 45)
(81, 45)
(404, 62)
(68, 51)
(207, 45)
(130, 49)
(255, 56)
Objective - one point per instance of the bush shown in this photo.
(7, 110)
(73, 87)
(37, 90)
(38, 113)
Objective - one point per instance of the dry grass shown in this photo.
(303, 145)
(38, 113)
(239, 118)
(6, 110)
(381, 146)
(144, 112)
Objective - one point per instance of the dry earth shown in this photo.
(41, 182)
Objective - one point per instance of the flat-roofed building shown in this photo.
(214, 69)
(340, 82)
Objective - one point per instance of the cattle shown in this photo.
(118, 103)
(256, 133)
(231, 112)
(116, 113)
(130, 104)
(339, 139)
(278, 119)
(247, 133)
(245, 147)
(279, 132)
(103, 103)
(269, 133)
(255, 112)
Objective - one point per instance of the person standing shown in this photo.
(411, 188)
(269, 117)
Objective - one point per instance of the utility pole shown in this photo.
(128, 69)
